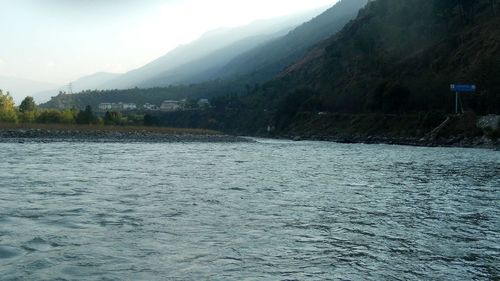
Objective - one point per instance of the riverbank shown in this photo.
(73, 133)
(418, 130)
(457, 141)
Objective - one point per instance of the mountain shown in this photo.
(260, 58)
(90, 82)
(402, 56)
(265, 61)
(386, 73)
(94, 81)
(20, 88)
(202, 69)
(206, 45)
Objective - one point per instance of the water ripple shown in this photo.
(270, 210)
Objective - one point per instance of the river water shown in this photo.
(270, 210)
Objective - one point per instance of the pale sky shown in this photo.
(58, 41)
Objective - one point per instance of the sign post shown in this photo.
(461, 88)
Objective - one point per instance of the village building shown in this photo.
(120, 106)
(204, 103)
(170, 105)
(149, 106)
(105, 106)
(129, 106)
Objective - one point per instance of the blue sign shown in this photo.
(463, 88)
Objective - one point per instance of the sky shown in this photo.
(58, 41)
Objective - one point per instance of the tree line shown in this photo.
(29, 112)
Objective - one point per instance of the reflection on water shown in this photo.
(271, 210)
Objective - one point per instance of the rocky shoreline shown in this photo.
(457, 141)
(103, 136)
(465, 130)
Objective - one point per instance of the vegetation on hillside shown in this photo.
(401, 56)
(29, 113)
(396, 57)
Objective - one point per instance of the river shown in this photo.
(269, 210)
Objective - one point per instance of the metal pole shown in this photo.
(456, 103)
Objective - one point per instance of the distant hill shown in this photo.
(202, 69)
(20, 88)
(141, 96)
(150, 74)
(90, 82)
(94, 81)
(264, 62)
(260, 58)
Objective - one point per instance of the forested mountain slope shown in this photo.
(402, 56)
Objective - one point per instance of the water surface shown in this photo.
(271, 210)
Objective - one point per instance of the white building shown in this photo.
(117, 106)
(152, 107)
(129, 106)
(170, 105)
(204, 103)
(105, 106)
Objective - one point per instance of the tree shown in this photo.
(113, 118)
(150, 120)
(389, 98)
(494, 7)
(85, 117)
(27, 105)
(7, 108)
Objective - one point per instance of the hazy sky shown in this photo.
(60, 40)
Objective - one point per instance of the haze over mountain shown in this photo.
(209, 44)
(201, 69)
(20, 88)
(185, 63)
(258, 58)
(90, 82)
(251, 59)
(58, 41)
(267, 58)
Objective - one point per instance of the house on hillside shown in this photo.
(120, 106)
(105, 106)
(151, 107)
(170, 106)
(129, 106)
(203, 103)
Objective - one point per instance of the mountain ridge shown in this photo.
(208, 43)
